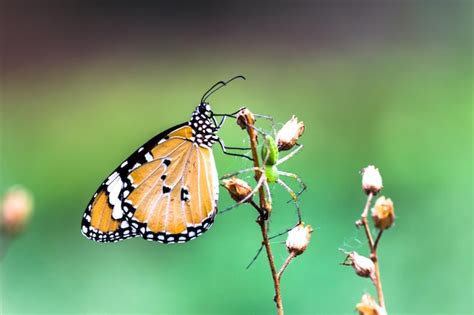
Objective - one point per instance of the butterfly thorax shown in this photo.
(204, 128)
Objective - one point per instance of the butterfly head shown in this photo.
(205, 109)
(203, 115)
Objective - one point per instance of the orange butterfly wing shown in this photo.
(173, 197)
(166, 191)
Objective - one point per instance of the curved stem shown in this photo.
(285, 264)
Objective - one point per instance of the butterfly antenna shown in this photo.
(219, 85)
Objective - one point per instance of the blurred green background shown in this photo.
(390, 84)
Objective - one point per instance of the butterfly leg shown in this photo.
(293, 196)
(232, 115)
(230, 153)
(237, 148)
(224, 116)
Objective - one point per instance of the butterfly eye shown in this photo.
(203, 108)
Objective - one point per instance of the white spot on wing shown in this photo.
(148, 157)
(114, 188)
(111, 178)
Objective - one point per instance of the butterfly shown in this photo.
(167, 190)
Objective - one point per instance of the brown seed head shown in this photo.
(371, 180)
(237, 188)
(289, 134)
(383, 213)
(298, 239)
(245, 118)
(363, 266)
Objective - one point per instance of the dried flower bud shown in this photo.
(238, 189)
(245, 118)
(298, 239)
(383, 213)
(371, 180)
(289, 134)
(363, 266)
(368, 306)
(15, 211)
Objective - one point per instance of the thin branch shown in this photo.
(254, 145)
(373, 249)
(263, 209)
(285, 264)
(364, 222)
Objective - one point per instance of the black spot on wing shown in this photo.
(184, 194)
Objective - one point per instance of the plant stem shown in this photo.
(264, 210)
(373, 249)
(365, 223)
(276, 279)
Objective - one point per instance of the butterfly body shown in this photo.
(166, 191)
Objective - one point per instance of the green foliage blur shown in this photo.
(406, 109)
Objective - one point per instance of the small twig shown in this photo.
(285, 264)
(365, 223)
(373, 249)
